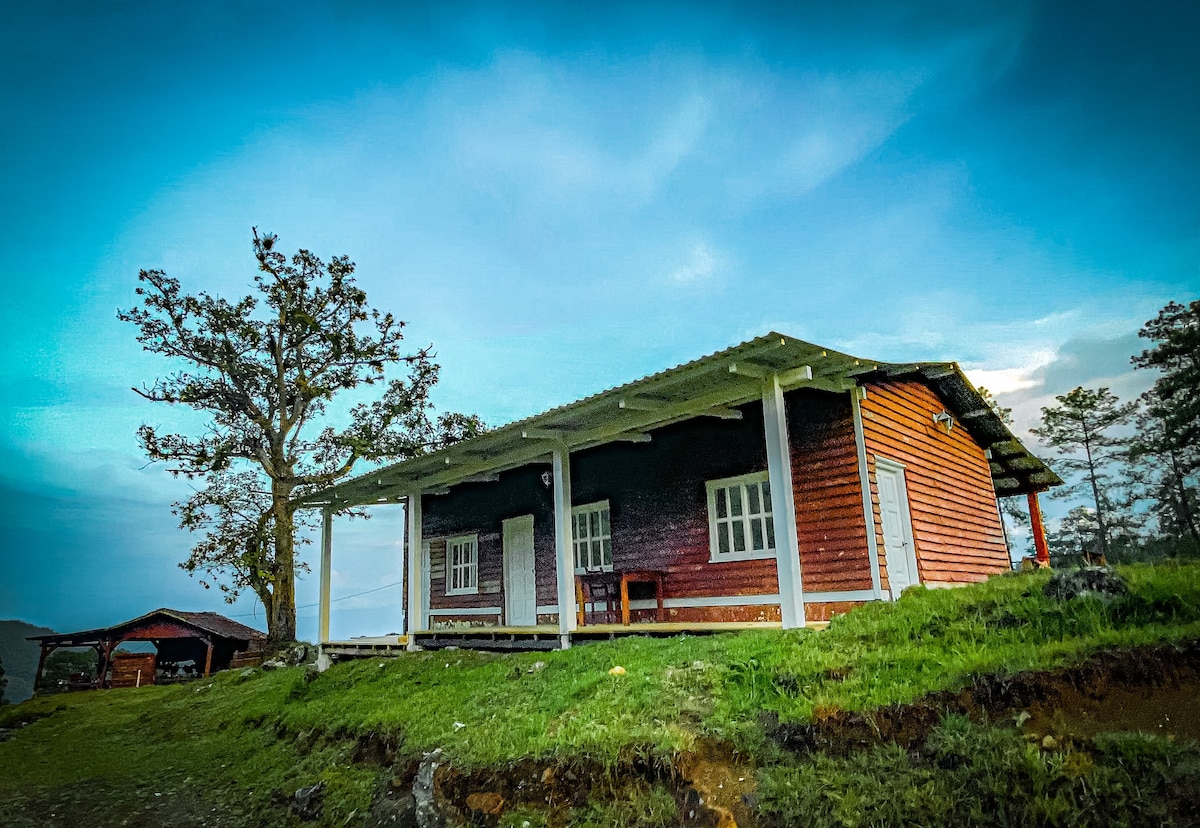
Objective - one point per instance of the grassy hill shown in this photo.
(20, 658)
(949, 707)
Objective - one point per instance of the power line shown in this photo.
(332, 600)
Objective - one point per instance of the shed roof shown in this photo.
(205, 622)
(710, 385)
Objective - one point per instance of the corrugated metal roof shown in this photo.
(709, 383)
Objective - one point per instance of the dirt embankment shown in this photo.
(1152, 689)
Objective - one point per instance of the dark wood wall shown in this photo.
(482, 508)
(956, 524)
(659, 514)
(659, 502)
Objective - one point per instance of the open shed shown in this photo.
(206, 638)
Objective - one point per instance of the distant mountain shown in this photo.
(20, 658)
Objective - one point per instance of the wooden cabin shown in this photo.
(774, 483)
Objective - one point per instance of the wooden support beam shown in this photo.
(37, 677)
(533, 452)
(1038, 528)
(722, 412)
(864, 482)
(543, 434)
(796, 376)
(749, 370)
(634, 437)
(484, 477)
(106, 659)
(414, 619)
(783, 505)
(564, 543)
(326, 569)
(208, 658)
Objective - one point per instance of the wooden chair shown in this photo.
(602, 591)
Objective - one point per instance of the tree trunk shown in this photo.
(281, 618)
(1101, 523)
(1185, 509)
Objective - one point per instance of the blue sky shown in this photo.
(562, 200)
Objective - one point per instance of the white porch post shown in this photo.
(326, 566)
(783, 504)
(857, 395)
(415, 617)
(565, 557)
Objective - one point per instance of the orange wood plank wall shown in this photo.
(830, 526)
(956, 525)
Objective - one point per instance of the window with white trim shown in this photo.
(740, 525)
(593, 537)
(462, 565)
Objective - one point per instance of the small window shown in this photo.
(462, 565)
(740, 525)
(593, 538)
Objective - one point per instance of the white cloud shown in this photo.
(698, 265)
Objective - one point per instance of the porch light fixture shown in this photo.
(546, 479)
(944, 418)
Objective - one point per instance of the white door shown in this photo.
(520, 580)
(897, 526)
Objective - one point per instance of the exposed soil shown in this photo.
(1153, 689)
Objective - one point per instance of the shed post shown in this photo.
(37, 677)
(783, 504)
(326, 565)
(106, 659)
(1038, 527)
(208, 657)
(563, 544)
(415, 618)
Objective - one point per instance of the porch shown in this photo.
(539, 637)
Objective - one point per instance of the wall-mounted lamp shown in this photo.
(547, 479)
(944, 417)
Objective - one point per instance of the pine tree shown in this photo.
(1176, 354)
(1080, 428)
(1166, 472)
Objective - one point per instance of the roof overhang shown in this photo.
(200, 624)
(1015, 470)
(713, 385)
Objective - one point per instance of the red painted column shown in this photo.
(1039, 530)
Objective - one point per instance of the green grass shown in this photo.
(971, 775)
(244, 739)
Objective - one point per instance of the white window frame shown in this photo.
(715, 523)
(586, 539)
(469, 583)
